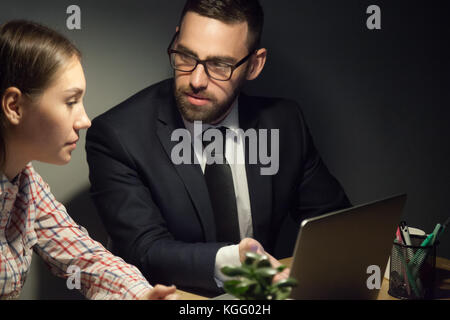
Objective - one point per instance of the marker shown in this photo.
(420, 256)
(398, 235)
(435, 233)
(427, 241)
(405, 233)
(404, 265)
(410, 278)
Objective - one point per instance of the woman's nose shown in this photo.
(83, 121)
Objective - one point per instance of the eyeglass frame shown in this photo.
(203, 62)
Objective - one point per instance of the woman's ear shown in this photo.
(257, 63)
(11, 105)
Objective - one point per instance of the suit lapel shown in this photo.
(190, 174)
(259, 186)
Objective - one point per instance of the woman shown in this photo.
(42, 86)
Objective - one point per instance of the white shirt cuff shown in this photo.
(226, 256)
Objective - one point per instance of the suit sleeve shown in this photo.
(134, 221)
(318, 192)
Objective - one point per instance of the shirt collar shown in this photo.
(9, 186)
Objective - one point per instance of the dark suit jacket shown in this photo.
(159, 215)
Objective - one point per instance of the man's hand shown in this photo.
(249, 244)
(160, 292)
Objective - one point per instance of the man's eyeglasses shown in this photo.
(216, 70)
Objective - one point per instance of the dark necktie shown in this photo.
(219, 181)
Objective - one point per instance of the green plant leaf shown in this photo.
(241, 289)
(281, 268)
(283, 294)
(286, 283)
(248, 283)
(266, 272)
(245, 289)
(235, 271)
(255, 292)
(233, 287)
(230, 285)
(251, 257)
(255, 277)
(264, 263)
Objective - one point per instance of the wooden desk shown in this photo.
(442, 283)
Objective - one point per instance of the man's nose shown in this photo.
(199, 78)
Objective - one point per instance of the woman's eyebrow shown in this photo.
(74, 91)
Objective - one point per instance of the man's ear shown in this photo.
(257, 62)
(11, 105)
(177, 29)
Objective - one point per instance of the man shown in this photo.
(180, 222)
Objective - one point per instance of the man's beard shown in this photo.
(207, 114)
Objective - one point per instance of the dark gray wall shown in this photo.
(376, 101)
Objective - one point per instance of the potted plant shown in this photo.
(253, 280)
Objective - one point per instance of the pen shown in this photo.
(399, 236)
(420, 255)
(404, 265)
(404, 231)
(427, 241)
(410, 279)
(414, 264)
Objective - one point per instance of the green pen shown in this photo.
(411, 278)
(421, 254)
(435, 233)
(427, 241)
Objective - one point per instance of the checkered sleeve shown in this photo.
(69, 251)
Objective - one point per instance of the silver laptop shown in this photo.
(334, 251)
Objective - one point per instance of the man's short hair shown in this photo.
(231, 11)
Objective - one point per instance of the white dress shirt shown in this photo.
(235, 155)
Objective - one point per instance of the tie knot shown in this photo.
(212, 134)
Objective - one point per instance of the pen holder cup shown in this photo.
(412, 270)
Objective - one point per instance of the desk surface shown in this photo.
(442, 283)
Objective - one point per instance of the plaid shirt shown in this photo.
(31, 219)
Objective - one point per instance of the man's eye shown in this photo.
(218, 64)
(185, 58)
(72, 103)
